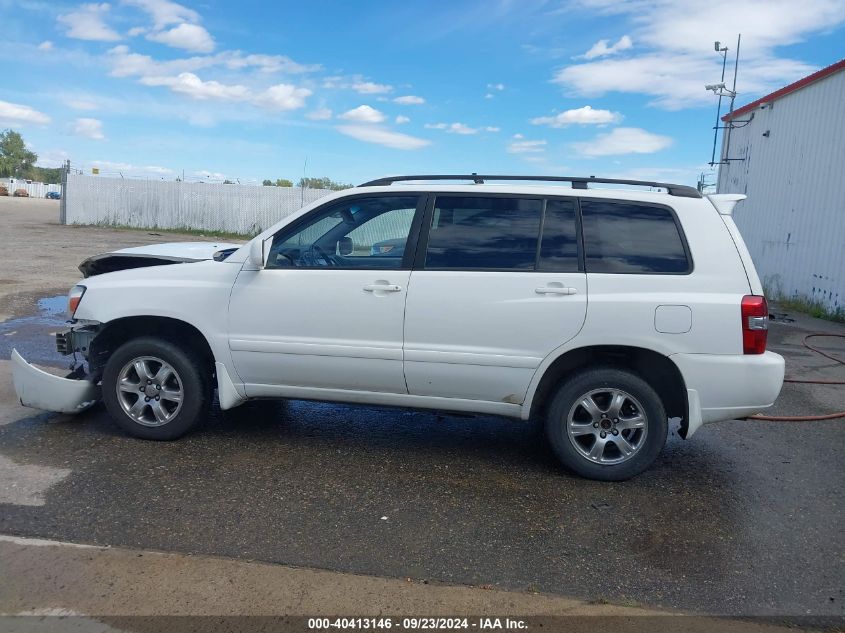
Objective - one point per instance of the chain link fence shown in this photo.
(159, 204)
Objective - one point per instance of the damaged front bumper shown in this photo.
(39, 389)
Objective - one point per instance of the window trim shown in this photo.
(579, 237)
(640, 203)
(410, 245)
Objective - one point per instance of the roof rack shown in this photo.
(578, 182)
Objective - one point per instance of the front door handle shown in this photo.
(382, 288)
(556, 290)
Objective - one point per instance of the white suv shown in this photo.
(604, 311)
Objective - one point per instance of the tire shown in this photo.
(163, 416)
(574, 430)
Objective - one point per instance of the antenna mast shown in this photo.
(721, 90)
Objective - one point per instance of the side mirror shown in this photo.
(256, 253)
(345, 246)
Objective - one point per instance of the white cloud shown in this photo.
(409, 100)
(164, 12)
(211, 175)
(370, 88)
(80, 103)
(191, 85)
(46, 45)
(526, 147)
(265, 63)
(452, 128)
(623, 140)
(579, 116)
(320, 114)
(402, 119)
(489, 95)
(363, 114)
(52, 158)
(282, 97)
(492, 128)
(676, 39)
(498, 87)
(128, 169)
(87, 23)
(601, 49)
(190, 37)
(381, 136)
(125, 63)
(278, 97)
(17, 114)
(89, 128)
(136, 30)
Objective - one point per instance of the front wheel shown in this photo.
(154, 389)
(607, 424)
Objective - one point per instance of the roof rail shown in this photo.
(578, 182)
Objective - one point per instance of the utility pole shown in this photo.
(63, 202)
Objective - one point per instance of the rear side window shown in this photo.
(624, 237)
(484, 233)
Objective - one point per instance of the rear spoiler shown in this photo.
(725, 202)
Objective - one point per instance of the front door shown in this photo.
(499, 286)
(326, 313)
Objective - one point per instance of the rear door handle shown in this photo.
(555, 290)
(382, 287)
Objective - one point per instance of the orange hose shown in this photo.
(808, 418)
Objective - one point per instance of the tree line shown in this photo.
(16, 161)
(308, 183)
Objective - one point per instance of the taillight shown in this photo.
(755, 324)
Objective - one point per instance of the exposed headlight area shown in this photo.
(73, 299)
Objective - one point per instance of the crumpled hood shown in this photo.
(155, 255)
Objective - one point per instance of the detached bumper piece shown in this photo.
(41, 390)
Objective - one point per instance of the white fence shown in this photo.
(34, 189)
(245, 209)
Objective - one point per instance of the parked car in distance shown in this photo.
(53, 195)
(604, 312)
(21, 193)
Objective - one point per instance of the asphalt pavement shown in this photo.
(745, 518)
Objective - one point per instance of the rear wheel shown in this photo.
(154, 389)
(606, 424)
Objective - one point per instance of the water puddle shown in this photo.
(32, 335)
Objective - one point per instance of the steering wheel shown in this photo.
(319, 251)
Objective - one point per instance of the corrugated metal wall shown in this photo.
(34, 189)
(245, 209)
(794, 218)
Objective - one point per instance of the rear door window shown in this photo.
(628, 237)
(483, 233)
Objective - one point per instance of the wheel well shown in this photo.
(655, 368)
(115, 333)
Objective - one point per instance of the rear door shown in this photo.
(498, 283)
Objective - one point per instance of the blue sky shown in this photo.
(253, 90)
